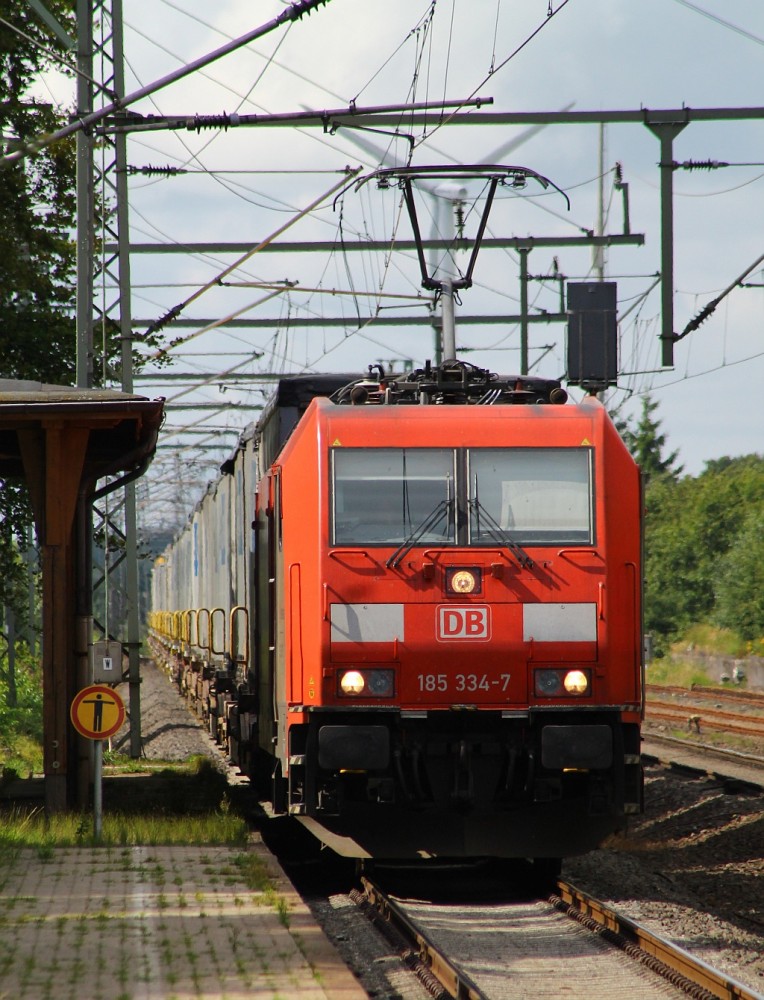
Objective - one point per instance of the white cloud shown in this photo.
(600, 54)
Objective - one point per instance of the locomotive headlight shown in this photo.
(352, 682)
(576, 682)
(371, 683)
(381, 683)
(463, 581)
(556, 682)
(548, 682)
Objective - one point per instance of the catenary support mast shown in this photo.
(104, 317)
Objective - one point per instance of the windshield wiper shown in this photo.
(499, 534)
(436, 515)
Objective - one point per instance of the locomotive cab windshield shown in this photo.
(386, 495)
(465, 497)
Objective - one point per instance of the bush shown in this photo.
(712, 641)
(21, 723)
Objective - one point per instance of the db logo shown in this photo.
(473, 622)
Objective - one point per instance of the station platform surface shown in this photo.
(129, 923)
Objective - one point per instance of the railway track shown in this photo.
(739, 695)
(715, 709)
(723, 763)
(708, 718)
(567, 944)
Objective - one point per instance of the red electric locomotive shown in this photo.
(447, 642)
(432, 645)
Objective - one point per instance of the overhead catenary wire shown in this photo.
(215, 28)
(66, 41)
(227, 86)
(203, 258)
(711, 306)
(179, 341)
(148, 170)
(175, 311)
(184, 339)
(218, 281)
(720, 20)
(292, 13)
(193, 428)
(314, 345)
(296, 287)
(550, 14)
(411, 34)
(57, 57)
(243, 98)
(448, 49)
(195, 156)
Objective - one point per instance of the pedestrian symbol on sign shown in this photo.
(97, 704)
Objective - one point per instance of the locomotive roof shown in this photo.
(298, 390)
(292, 392)
(453, 381)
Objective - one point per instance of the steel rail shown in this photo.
(450, 976)
(667, 959)
(715, 710)
(734, 771)
(708, 693)
(722, 753)
(710, 718)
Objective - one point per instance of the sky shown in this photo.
(252, 184)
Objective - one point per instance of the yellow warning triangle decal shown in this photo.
(586, 441)
(336, 443)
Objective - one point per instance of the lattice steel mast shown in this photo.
(103, 305)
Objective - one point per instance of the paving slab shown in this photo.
(143, 923)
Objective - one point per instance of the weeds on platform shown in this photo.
(198, 786)
(180, 805)
(252, 871)
(31, 828)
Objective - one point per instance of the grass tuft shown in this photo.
(254, 874)
(76, 830)
(677, 672)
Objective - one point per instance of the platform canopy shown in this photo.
(61, 441)
(121, 428)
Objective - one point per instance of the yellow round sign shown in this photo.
(97, 712)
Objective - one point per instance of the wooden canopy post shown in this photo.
(54, 457)
(62, 441)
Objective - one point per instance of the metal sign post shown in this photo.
(97, 713)
(98, 791)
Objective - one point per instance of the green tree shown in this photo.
(700, 549)
(37, 249)
(37, 211)
(647, 443)
(739, 583)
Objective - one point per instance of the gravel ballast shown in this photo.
(691, 868)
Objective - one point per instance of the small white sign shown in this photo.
(106, 657)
